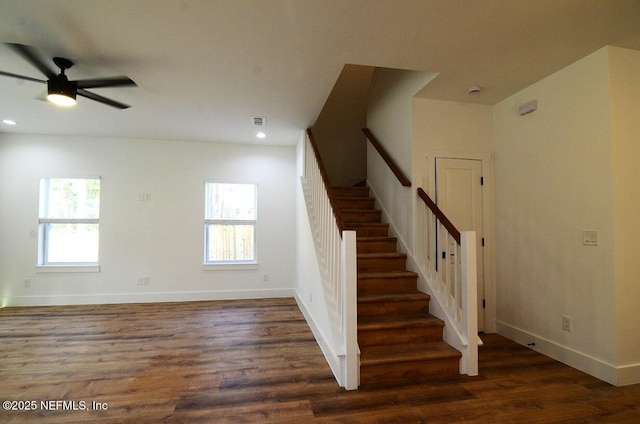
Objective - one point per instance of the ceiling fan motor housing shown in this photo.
(61, 85)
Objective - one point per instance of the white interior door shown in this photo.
(459, 196)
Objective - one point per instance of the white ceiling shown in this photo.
(204, 68)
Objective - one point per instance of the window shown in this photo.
(69, 221)
(230, 223)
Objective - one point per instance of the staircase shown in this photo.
(400, 342)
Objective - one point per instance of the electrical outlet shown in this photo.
(142, 280)
(27, 282)
(265, 277)
(566, 323)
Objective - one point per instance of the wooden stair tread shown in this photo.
(373, 244)
(350, 192)
(360, 215)
(375, 238)
(352, 188)
(379, 322)
(387, 274)
(367, 203)
(381, 255)
(392, 297)
(383, 354)
(366, 224)
(355, 199)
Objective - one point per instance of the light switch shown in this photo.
(590, 237)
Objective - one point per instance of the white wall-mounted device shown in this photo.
(528, 107)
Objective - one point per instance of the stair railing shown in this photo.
(452, 276)
(387, 158)
(450, 271)
(337, 260)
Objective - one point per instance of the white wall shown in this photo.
(161, 238)
(553, 173)
(389, 114)
(389, 117)
(625, 116)
(568, 167)
(465, 131)
(338, 129)
(455, 128)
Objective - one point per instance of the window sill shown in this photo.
(67, 268)
(229, 266)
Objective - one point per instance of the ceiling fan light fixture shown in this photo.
(61, 93)
(61, 99)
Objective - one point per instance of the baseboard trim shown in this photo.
(615, 375)
(332, 357)
(93, 299)
(628, 375)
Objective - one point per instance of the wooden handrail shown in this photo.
(316, 152)
(439, 215)
(325, 179)
(387, 158)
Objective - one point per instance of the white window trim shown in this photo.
(232, 265)
(61, 267)
(88, 268)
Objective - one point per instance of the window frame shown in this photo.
(44, 250)
(230, 263)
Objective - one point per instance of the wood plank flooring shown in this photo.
(256, 361)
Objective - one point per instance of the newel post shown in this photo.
(351, 371)
(469, 363)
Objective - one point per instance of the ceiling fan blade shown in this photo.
(32, 57)
(42, 97)
(105, 82)
(9, 74)
(101, 99)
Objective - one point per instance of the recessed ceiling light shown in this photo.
(261, 135)
(9, 122)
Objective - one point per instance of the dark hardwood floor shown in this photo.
(256, 361)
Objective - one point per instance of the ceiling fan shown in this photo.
(60, 90)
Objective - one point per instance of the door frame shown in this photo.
(488, 196)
